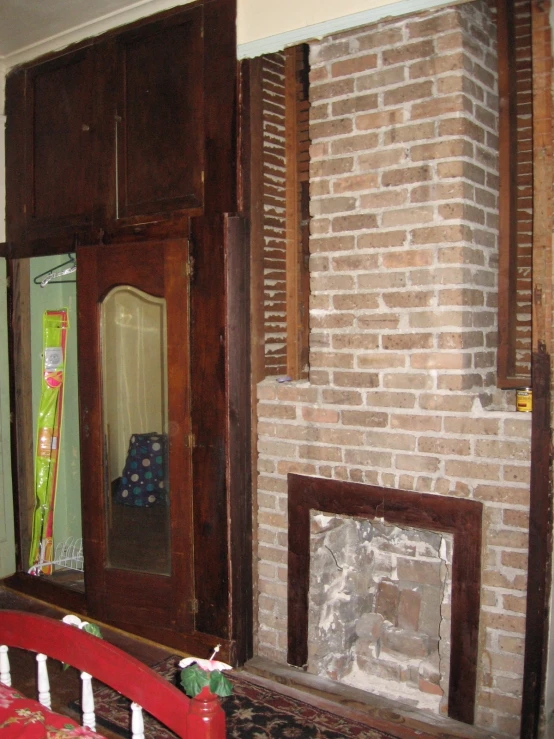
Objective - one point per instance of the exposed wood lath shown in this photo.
(274, 208)
(516, 183)
(279, 203)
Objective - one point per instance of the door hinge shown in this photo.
(190, 441)
(193, 603)
(189, 268)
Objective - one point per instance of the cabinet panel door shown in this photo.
(133, 323)
(158, 121)
(59, 140)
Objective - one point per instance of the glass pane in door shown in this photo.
(136, 454)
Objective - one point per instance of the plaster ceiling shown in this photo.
(28, 27)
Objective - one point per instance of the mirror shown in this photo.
(136, 453)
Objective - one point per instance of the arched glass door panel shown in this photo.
(135, 424)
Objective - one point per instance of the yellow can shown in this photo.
(524, 399)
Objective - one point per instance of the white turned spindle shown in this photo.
(87, 702)
(137, 722)
(5, 676)
(43, 682)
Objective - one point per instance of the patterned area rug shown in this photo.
(253, 712)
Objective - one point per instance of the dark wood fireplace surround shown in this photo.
(457, 516)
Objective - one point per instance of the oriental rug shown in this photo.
(253, 711)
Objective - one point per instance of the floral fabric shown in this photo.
(23, 718)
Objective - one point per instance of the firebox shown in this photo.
(459, 517)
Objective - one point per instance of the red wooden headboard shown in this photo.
(115, 668)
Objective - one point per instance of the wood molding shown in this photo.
(251, 205)
(540, 548)
(297, 210)
(458, 516)
(292, 214)
(507, 196)
(540, 514)
(21, 405)
(256, 212)
(239, 470)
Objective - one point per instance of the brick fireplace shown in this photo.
(457, 516)
(379, 615)
(402, 391)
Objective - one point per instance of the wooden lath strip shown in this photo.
(297, 210)
(542, 177)
(292, 210)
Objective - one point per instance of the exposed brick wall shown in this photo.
(403, 314)
(274, 204)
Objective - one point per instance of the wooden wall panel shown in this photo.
(539, 579)
(298, 209)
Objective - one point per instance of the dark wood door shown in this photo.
(127, 582)
(59, 135)
(157, 120)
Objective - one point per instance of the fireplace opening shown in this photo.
(460, 518)
(379, 608)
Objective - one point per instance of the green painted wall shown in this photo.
(67, 517)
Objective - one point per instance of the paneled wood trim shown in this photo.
(220, 107)
(458, 516)
(238, 412)
(21, 405)
(210, 426)
(15, 158)
(251, 205)
(256, 213)
(540, 548)
(540, 514)
(297, 210)
(507, 195)
(44, 589)
(292, 214)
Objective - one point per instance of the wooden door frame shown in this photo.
(539, 577)
(22, 435)
(158, 268)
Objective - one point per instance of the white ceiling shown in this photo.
(29, 28)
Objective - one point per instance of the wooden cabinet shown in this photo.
(50, 140)
(124, 150)
(109, 138)
(135, 551)
(158, 119)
